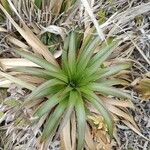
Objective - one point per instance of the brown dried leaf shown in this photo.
(143, 88)
(89, 139)
(73, 131)
(8, 63)
(29, 36)
(65, 137)
(98, 121)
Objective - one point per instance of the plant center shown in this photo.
(73, 84)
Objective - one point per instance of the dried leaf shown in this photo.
(8, 63)
(134, 129)
(98, 121)
(29, 36)
(143, 88)
(17, 81)
(2, 29)
(73, 131)
(16, 42)
(89, 138)
(65, 137)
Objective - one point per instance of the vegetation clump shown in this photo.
(73, 84)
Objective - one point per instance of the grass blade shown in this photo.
(41, 73)
(97, 103)
(6, 5)
(52, 101)
(53, 120)
(42, 88)
(33, 71)
(115, 69)
(47, 106)
(112, 82)
(103, 89)
(65, 51)
(81, 122)
(34, 58)
(72, 53)
(101, 56)
(86, 54)
(72, 101)
(38, 3)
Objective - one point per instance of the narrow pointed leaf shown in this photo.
(44, 87)
(72, 100)
(33, 71)
(38, 3)
(34, 58)
(97, 103)
(65, 137)
(42, 73)
(47, 106)
(115, 69)
(93, 77)
(102, 53)
(112, 82)
(81, 122)
(72, 52)
(6, 6)
(104, 89)
(100, 57)
(86, 40)
(89, 138)
(86, 55)
(121, 113)
(53, 120)
(51, 102)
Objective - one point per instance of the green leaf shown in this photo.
(34, 71)
(115, 69)
(43, 87)
(87, 40)
(86, 55)
(45, 93)
(104, 89)
(47, 106)
(88, 77)
(53, 120)
(72, 101)
(72, 53)
(103, 72)
(64, 60)
(100, 57)
(51, 102)
(81, 122)
(97, 103)
(6, 6)
(36, 59)
(38, 3)
(42, 73)
(112, 82)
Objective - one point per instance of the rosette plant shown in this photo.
(73, 84)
